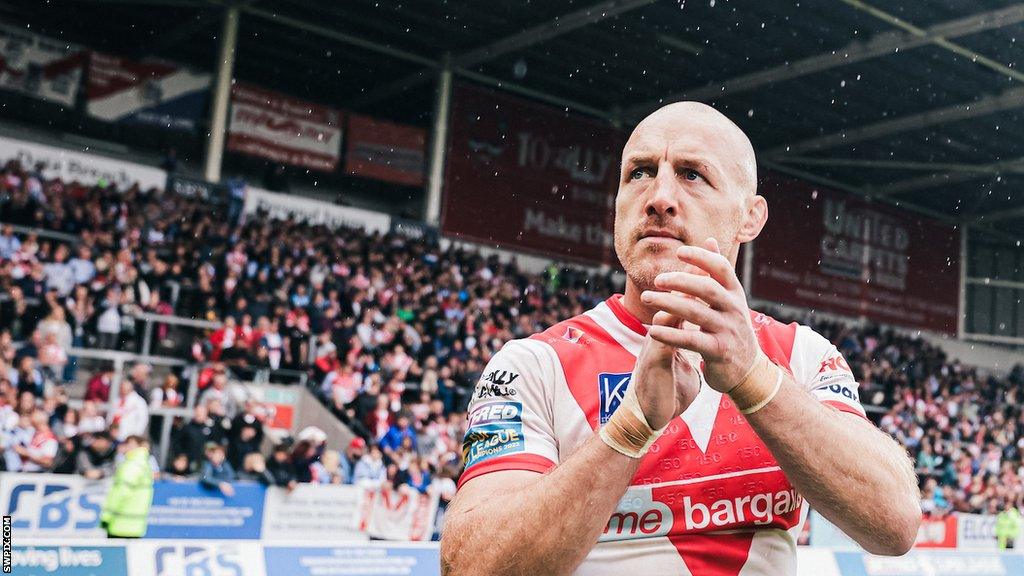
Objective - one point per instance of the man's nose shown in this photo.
(662, 201)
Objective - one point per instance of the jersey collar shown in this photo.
(623, 315)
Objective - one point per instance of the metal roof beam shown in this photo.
(170, 3)
(526, 38)
(857, 51)
(548, 30)
(946, 178)
(423, 61)
(1007, 100)
(941, 42)
(998, 215)
(973, 169)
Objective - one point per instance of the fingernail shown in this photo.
(646, 295)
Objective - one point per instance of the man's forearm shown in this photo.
(848, 470)
(545, 527)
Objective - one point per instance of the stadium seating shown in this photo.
(393, 334)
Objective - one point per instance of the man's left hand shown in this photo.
(716, 303)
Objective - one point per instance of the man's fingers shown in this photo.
(703, 287)
(684, 308)
(710, 261)
(663, 318)
(701, 342)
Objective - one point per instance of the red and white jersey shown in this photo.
(709, 499)
(43, 445)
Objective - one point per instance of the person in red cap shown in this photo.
(356, 449)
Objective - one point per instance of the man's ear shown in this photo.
(754, 220)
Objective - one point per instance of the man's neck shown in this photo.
(631, 302)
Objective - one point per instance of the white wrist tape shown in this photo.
(627, 431)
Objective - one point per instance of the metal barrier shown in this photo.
(43, 233)
(122, 361)
(152, 319)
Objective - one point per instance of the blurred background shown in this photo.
(274, 244)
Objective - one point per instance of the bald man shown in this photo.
(672, 430)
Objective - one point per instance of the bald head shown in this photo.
(688, 175)
(701, 126)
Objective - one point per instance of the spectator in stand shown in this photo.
(39, 453)
(179, 469)
(131, 414)
(17, 315)
(399, 432)
(245, 440)
(355, 450)
(89, 419)
(60, 275)
(139, 375)
(167, 395)
(281, 467)
(218, 391)
(82, 266)
(341, 385)
(217, 473)
(98, 388)
(29, 378)
(9, 243)
(304, 454)
(327, 470)
(96, 460)
(192, 438)
(371, 468)
(417, 476)
(254, 469)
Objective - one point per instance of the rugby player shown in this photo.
(670, 429)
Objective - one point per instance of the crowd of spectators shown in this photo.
(393, 333)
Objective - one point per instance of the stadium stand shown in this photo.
(392, 334)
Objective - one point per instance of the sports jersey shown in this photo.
(708, 499)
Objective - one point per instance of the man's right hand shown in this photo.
(665, 377)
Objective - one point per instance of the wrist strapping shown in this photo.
(627, 431)
(758, 387)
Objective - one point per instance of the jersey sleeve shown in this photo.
(510, 415)
(819, 366)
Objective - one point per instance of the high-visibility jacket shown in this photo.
(1007, 526)
(126, 509)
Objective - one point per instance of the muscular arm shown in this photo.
(521, 523)
(856, 476)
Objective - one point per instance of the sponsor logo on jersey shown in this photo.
(492, 440)
(759, 509)
(496, 412)
(611, 387)
(833, 364)
(496, 383)
(843, 388)
(572, 334)
(495, 429)
(641, 514)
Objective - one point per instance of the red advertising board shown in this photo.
(937, 532)
(830, 251)
(529, 177)
(385, 151)
(283, 129)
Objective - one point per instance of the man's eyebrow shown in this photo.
(638, 157)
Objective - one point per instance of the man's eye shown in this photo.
(692, 175)
(639, 173)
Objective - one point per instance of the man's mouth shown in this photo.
(663, 235)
